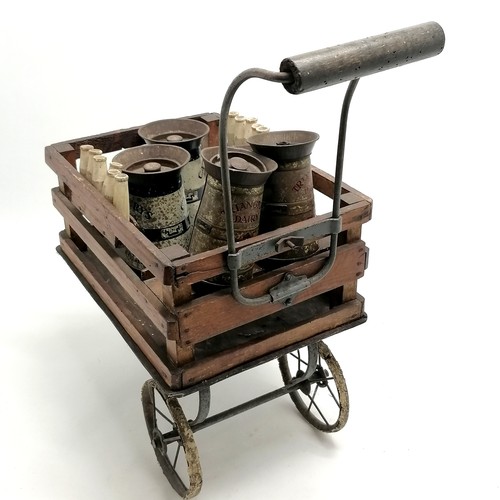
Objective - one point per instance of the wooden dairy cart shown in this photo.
(189, 337)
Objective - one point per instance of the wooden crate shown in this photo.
(186, 334)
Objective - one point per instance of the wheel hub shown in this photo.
(157, 440)
(320, 376)
(304, 386)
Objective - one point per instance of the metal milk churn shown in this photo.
(248, 173)
(157, 199)
(289, 194)
(188, 134)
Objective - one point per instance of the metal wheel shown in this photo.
(322, 399)
(173, 440)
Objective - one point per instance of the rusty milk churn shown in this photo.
(289, 194)
(157, 199)
(188, 134)
(248, 173)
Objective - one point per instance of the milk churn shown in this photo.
(248, 173)
(289, 194)
(188, 134)
(157, 199)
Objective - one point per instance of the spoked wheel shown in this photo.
(322, 399)
(172, 440)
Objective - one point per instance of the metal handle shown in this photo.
(312, 71)
(332, 65)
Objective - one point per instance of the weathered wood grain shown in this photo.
(225, 360)
(218, 312)
(107, 255)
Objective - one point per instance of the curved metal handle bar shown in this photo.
(311, 71)
(263, 74)
(271, 76)
(226, 182)
(337, 191)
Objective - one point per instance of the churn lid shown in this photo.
(184, 132)
(284, 145)
(246, 168)
(153, 169)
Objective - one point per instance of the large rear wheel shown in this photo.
(322, 399)
(172, 440)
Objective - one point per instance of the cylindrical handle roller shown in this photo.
(324, 67)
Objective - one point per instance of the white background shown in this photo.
(422, 372)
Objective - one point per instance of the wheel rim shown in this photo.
(172, 440)
(322, 399)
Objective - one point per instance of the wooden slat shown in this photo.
(160, 316)
(107, 142)
(230, 358)
(349, 290)
(212, 120)
(99, 211)
(350, 198)
(127, 312)
(218, 312)
(126, 138)
(324, 183)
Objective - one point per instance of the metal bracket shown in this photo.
(289, 286)
(290, 242)
(270, 246)
(234, 261)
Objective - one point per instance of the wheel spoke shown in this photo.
(164, 416)
(317, 408)
(333, 396)
(312, 398)
(177, 454)
(298, 358)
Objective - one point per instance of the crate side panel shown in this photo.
(99, 211)
(218, 312)
(226, 360)
(109, 258)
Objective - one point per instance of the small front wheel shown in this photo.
(322, 399)
(172, 440)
